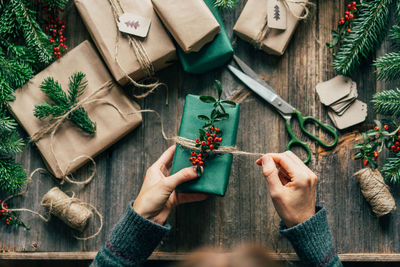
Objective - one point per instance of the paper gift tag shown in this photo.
(334, 90)
(135, 25)
(276, 15)
(341, 105)
(356, 114)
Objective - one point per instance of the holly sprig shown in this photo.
(210, 136)
(344, 27)
(10, 218)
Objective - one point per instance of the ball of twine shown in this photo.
(70, 210)
(375, 191)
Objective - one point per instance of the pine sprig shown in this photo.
(226, 3)
(391, 170)
(368, 30)
(12, 176)
(64, 103)
(56, 4)
(387, 102)
(34, 37)
(388, 66)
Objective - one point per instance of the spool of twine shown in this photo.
(70, 210)
(375, 191)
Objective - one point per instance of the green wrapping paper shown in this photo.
(212, 55)
(217, 169)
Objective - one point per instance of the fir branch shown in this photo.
(16, 73)
(395, 34)
(56, 4)
(368, 30)
(387, 102)
(12, 176)
(10, 143)
(391, 170)
(34, 37)
(388, 66)
(64, 103)
(226, 3)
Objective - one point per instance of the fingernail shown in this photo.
(266, 160)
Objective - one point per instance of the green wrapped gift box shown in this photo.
(217, 169)
(211, 56)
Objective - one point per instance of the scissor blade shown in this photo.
(268, 95)
(249, 71)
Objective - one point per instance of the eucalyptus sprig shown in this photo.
(210, 136)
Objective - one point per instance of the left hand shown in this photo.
(158, 197)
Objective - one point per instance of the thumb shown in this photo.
(182, 176)
(271, 173)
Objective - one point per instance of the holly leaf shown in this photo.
(219, 88)
(229, 103)
(203, 118)
(202, 133)
(208, 99)
(223, 116)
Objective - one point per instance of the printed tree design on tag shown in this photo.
(132, 24)
(277, 15)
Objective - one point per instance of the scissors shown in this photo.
(287, 111)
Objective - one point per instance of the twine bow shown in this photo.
(54, 125)
(265, 29)
(140, 53)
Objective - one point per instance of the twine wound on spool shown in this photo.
(265, 29)
(375, 191)
(72, 211)
(140, 53)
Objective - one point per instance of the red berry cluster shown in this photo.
(55, 28)
(4, 214)
(348, 15)
(209, 141)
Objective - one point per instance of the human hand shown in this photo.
(291, 185)
(158, 197)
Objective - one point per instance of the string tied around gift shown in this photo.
(305, 4)
(140, 53)
(55, 123)
(71, 210)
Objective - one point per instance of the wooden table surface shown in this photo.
(246, 213)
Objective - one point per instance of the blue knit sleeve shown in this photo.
(131, 242)
(312, 240)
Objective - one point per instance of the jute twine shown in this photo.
(55, 123)
(71, 210)
(140, 53)
(375, 191)
(265, 29)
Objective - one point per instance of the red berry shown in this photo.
(354, 8)
(210, 139)
(346, 17)
(365, 162)
(203, 143)
(65, 46)
(376, 154)
(397, 144)
(207, 133)
(354, 3)
(217, 129)
(211, 147)
(398, 137)
(374, 159)
(201, 163)
(349, 30)
(198, 140)
(347, 12)
(386, 127)
(199, 155)
(212, 128)
(342, 19)
(193, 153)
(351, 16)
(376, 128)
(348, 6)
(214, 135)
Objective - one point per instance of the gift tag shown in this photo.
(334, 90)
(135, 25)
(276, 15)
(355, 114)
(343, 104)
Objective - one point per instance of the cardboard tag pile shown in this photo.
(340, 95)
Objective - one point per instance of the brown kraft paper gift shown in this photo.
(69, 141)
(190, 22)
(100, 22)
(252, 21)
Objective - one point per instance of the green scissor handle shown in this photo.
(294, 141)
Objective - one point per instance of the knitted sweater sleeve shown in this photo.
(312, 240)
(131, 242)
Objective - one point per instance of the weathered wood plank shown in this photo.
(246, 213)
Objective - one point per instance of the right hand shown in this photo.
(292, 186)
